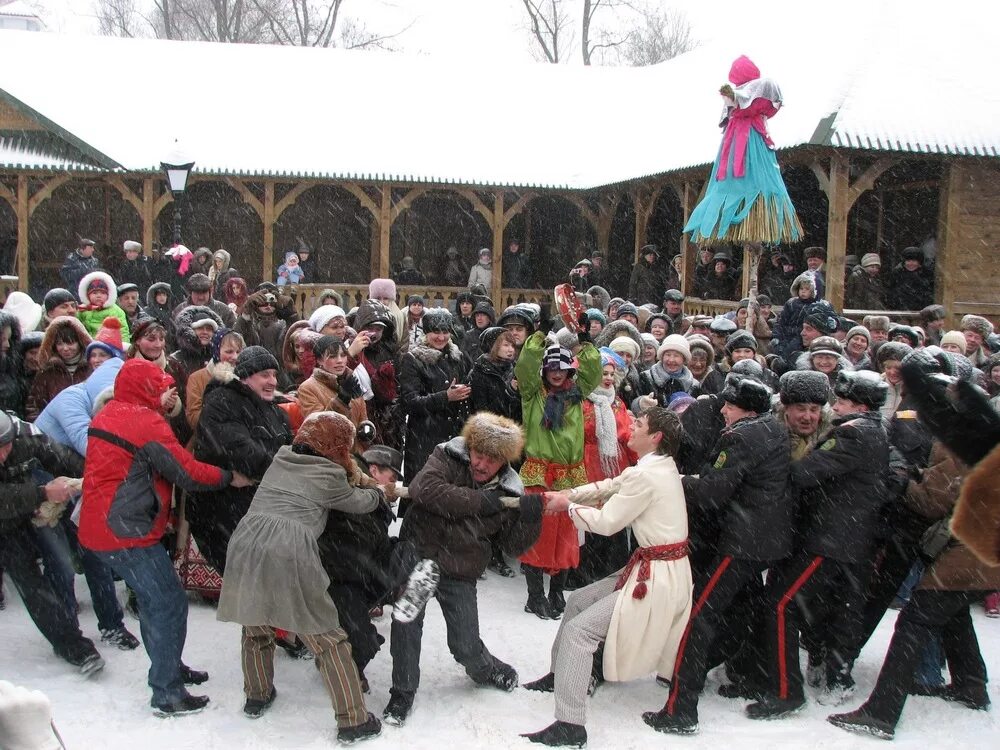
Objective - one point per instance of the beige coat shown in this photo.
(644, 633)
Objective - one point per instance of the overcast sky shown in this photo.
(495, 30)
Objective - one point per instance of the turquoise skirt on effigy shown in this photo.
(752, 208)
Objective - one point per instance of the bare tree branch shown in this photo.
(548, 21)
(662, 35)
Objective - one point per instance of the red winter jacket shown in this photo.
(133, 459)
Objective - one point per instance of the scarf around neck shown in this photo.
(555, 404)
(606, 429)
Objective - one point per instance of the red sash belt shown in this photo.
(642, 557)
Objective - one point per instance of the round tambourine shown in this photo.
(568, 305)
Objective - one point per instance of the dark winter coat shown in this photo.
(786, 340)
(446, 520)
(841, 488)
(719, 286)
(424, 376)
(378, 360)
(13, 385)
(225, 313)
(53, 375)
(713, 382)
(516, 270)
(910, 290)
(776, 285)
(76, 267)
(164, 314)
(135, 272)
(470, 343)
(747, 486)
(491, 389)
(267, 331)
(189, 357)
(656, 383)
(20, 493)
(864, 291)
(644, 284)
(237, 431)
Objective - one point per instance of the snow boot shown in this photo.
(546, 684)
(420, 587)
(254, 708)
(839, 687)
(499, 565)
(294, 647)
(816, 669)
(537, 604)
(121, 638)
(193, 676)
(560, 734)
(557, 600)
(662, 721)
(91, 665)
(771, 707)
(397, 709)
(503, 677)
(861, 723)
(189, 704)
(972, 697)
(363, 731)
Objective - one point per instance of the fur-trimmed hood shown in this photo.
(221, 372)
(186, 337)
(47, 351)
(289, 360)
(81, 288)
(617, 328)
(159, 286)
(508, 480)
(428, 355)
(976, 519)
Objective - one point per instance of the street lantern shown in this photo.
(177, 168)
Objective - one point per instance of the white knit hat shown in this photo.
(323, 315)
(675, 343)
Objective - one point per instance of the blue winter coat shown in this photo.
(67, 417)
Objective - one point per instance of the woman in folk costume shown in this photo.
(607, 426)
(551, 404)
(746, 200)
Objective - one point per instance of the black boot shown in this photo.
(772, 707)
(546, 684)
(498, 564)
(560, 734)
(557, 602)
(398, 708)
(254, 708)
(192, 676)
(537, 604)
(366, 730)
(861, 723)
(664, 722)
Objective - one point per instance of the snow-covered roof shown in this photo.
(273, 111)
(14, 155)
(17, 8)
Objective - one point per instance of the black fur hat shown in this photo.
(740, 340)
(804, 387)
(862, 387)
(749, 394)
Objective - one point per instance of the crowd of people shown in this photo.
(713, 491)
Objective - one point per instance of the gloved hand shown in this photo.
(955, 411)
(491, 504)
(285, 309)
(547, 324)
(583, 328)
(349, 389)
(25, 719)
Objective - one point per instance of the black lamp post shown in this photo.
(177, 169)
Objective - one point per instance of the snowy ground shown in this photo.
(111, 711)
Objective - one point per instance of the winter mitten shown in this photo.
(583, 329)
(25, 719)
(349, 389)
(492, 502)
(547, 324)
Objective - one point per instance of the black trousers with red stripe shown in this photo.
(710, 616)
(798, 591)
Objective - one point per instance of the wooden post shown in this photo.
(949, 227)
(689, 195)
(496, 288)
(267, 266)
(148, 220)
(385, 227)
(22, 232)
(836, 230)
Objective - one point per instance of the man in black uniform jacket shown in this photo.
(840, 486)
(747, 485)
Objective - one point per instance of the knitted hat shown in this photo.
(749, 394)
(722, 326)
(825, 345)
(494, 436)
(26, 310)
(131, 246)
(627, 308)
(862, 387)
(673, 295)
(697, 342)
(382, 288)
(956, 338)
(566, 338)
(515, 315)
(322, 316)
(326, 433)
(649, 339)
(912, 338)
(933, 312)
(859, 331)
(252, 360)
(746, 368)
(386, 457)
(143, 325)
(557, 358)
(913, 253)
(108, 338)
(871, 259)
(976, 324)
(437, 320)
(876, 322)
(485, 308)
(891, 350)
(804, 387)
(413, 299)
(594, 314)
(675, 343)
(763, 300)
(488, 338)
(824, 322)
(55, 297)
(740, 340)
(625, 345)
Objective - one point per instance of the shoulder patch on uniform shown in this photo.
(828, 445)
(720, 461)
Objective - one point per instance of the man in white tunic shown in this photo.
(640, 612)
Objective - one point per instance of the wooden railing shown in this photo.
(307, 296)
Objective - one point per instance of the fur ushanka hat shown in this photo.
(330, 435)
(493, 435)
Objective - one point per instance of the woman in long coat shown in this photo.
(432, 391)
(241, 428)
(274, 575)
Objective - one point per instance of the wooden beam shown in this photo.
(497, 223)
(404, 203)
(289, 198)
(518, 206)
(478, 205)
(46, 191)
(148, 218)
(866, 180)
(268, 217)
(363, 198)
(125, 191)
(248, 197)
(385, 227)
(22, 210)
(687, 247)
(9, 195)
(836, 228)
(949, 234)
(162, 202)
(821, 176)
